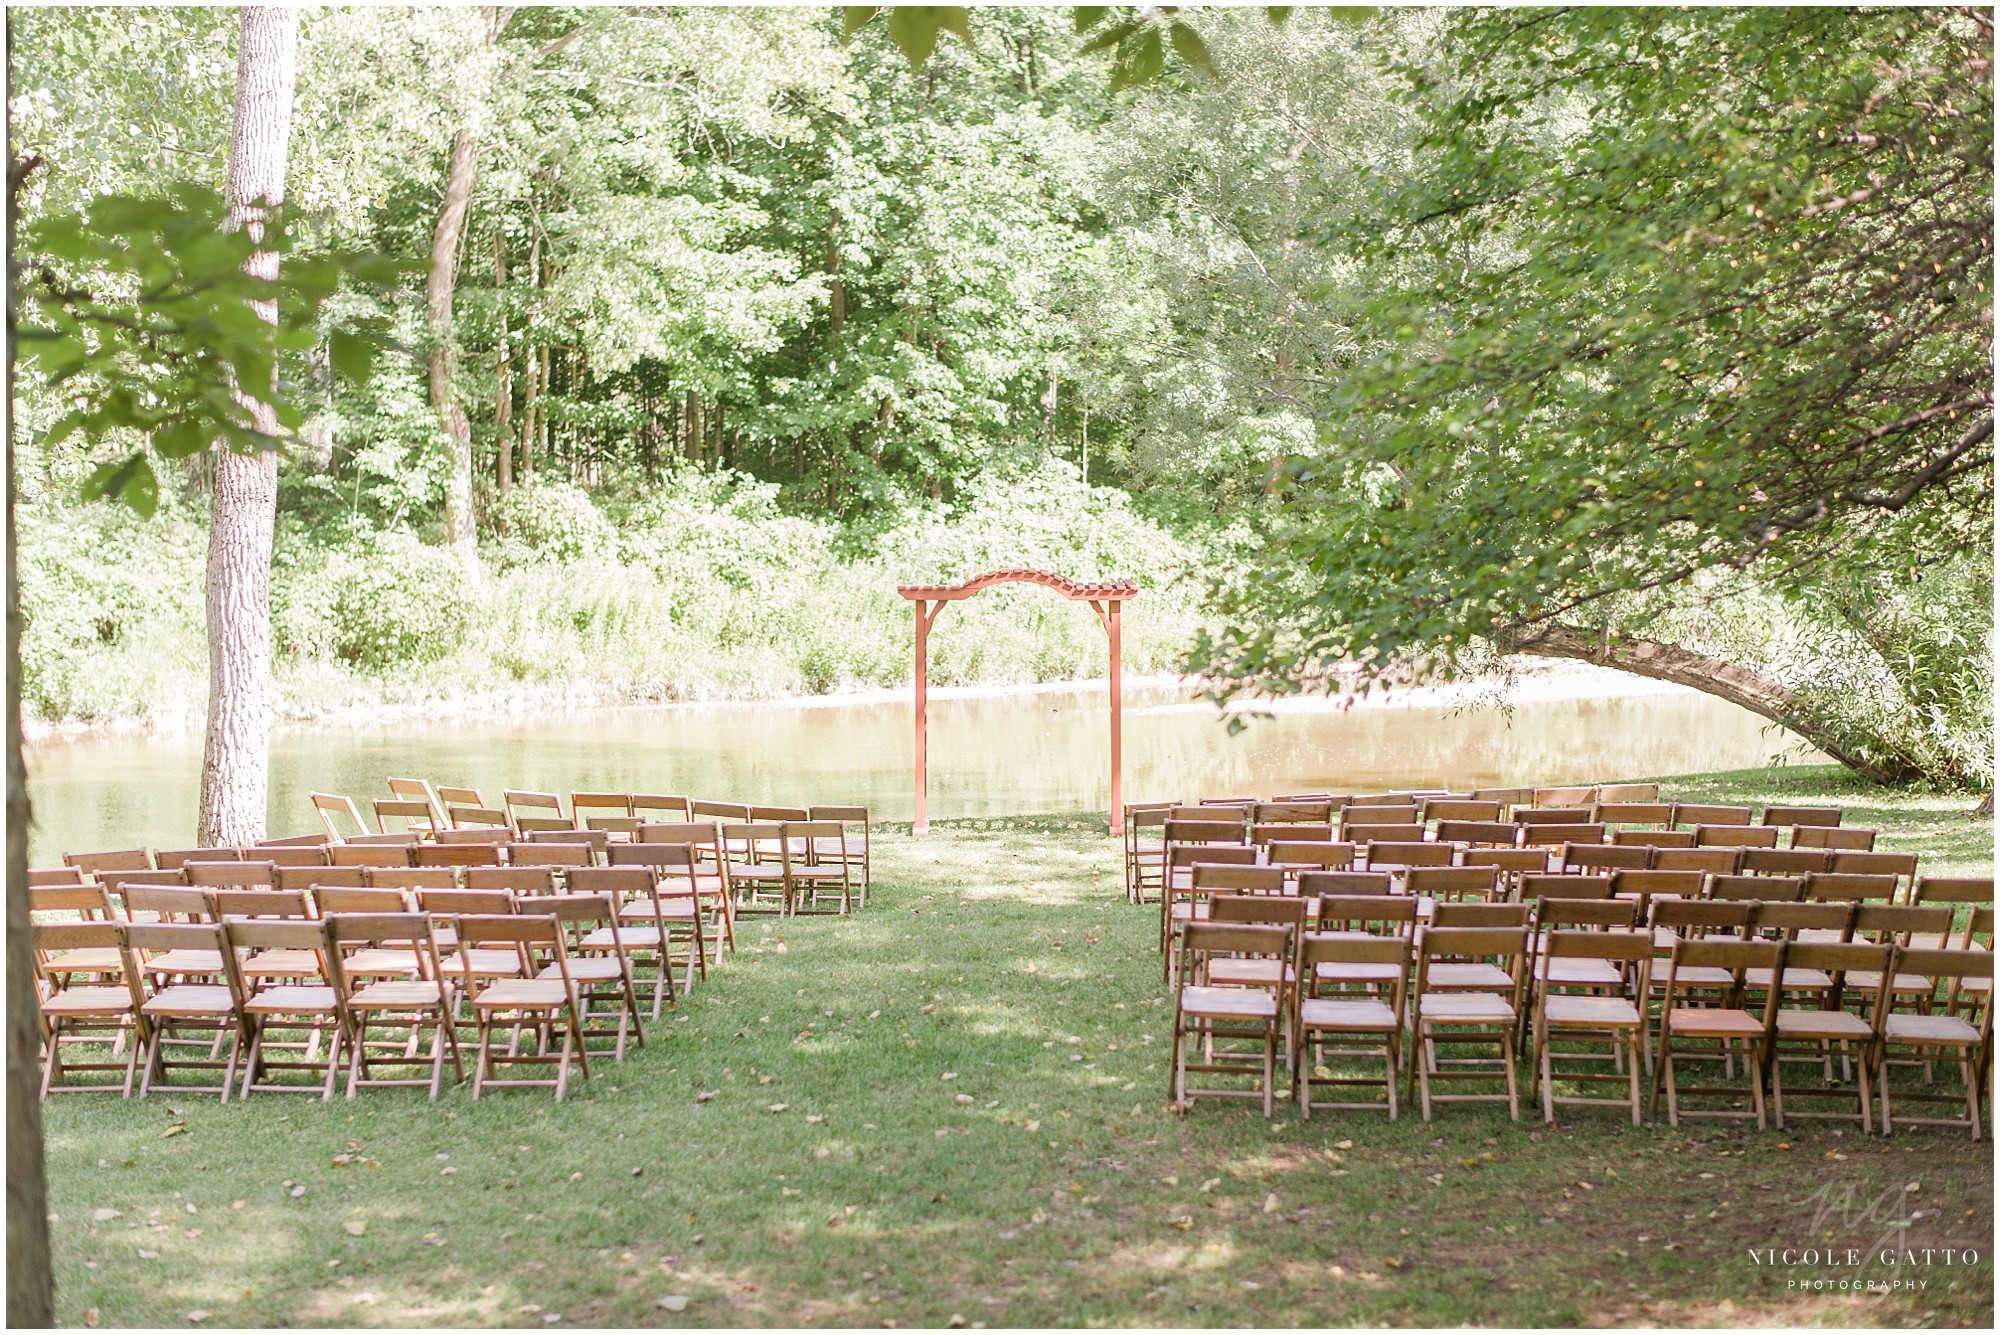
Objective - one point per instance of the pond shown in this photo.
(1039, 750)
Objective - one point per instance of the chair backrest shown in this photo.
(52, 877)
(1539, 836)
(1934, 963)
(1954, 890)
(1567, 815)
(117, 859)
(1186, 855)
(360, 931)
(1234, 878)
(477, 818)
(1282, 909)
(356, 854)
(738, 812)
(1793, 816)
(1633, 813)
(645, 855)
(1378, 914)
(1703, 813)
(1849, 885)
(242, 874)
(160, 937)
(1344, 883)
(1701, 917)
(1383, 815)
(1509, 860)
(1553, 913)
(1736, 836)
(414, 813)
(446, 903)
(1733, 954)
(539, 853)
(1846, 838)
(1205, 832)
(611, 804)
(1379, 800)
(1544, 885)
(86, 900)
(1786, 921)
(1628, 792)
(305, 878)
(1903, 865)
(333, 899)
(816, 834)
(170, 903)
(1460, 809)
(1507, 797)
(294, 932)
(1645, 884)
(458, 855)
(336, 809)
(413, 878)
(1373, 949)
(1394, 853)
(1608, 857)
(700, 833)
(779, 814)
(1453, 882)
(1714, 861)
(51, 937)
(420, 790)
(597, 840)
(1903, 924)
(1324, 856)
(1292, 831)
(1622, 947)
(168, 859)
(617, 881)
(521, 880)
(293, 855)
(1839, 959)
(644, 804)
(463, 797)
(1201, 941)
(1744, 889)
(1573, 795)
(1479, 916)
(1302, 812)
(1500, 834)
(1783, 861)
(519, 801)
(525, 825)
(1649, 838)
(1495, 942)
(226, 904)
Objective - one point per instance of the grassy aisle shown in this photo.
(952, 1108)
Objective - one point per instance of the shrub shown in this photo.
(554, 521)
(383, 602)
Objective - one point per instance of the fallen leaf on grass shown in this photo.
(355, 1227)
(1271, 1203)
(105, 1214)
(299, 1193)
(176, 1129)
(706, 1095)
(673, 1302)
(949, 1075)
(1209, 1185)
(198, 1314)
(779, 1107)
(1184, 1223)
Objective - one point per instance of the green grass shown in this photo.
(1045, 1184)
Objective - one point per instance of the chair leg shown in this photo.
(1632, 1048)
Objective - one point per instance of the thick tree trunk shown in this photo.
(1728, 681)
(236, 753)
(30, 1284)
(439, 291)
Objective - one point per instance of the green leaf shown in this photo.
(1089, 16)
(1190, 48)
(352, 356)
(1113, 35)
(853, 18)
(1277, 13)
(131, 481)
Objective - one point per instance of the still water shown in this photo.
(1029, 751)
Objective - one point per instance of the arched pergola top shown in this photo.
(1111, 591)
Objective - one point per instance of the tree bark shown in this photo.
(439, 290)
(236, 753)
(503, 389)
(1733, 682)
(30, 1282)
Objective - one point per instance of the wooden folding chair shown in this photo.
(420, 790)
(117, 859)
(707, 869)
(1295, 858)
(107, 1011)
(1511, 864)
(1277, 976)
(1467, 993)
(1727, 1032)
(1835, 839)
(1221, 1022)
(291, 983)
(424, 1000)
(1793, 817)
(817, 855)
(652, 918)
(332, 809)
(1145, 848)
(662, 807)
(1807, 1034)
(414, 813)
(1697, 814)
(171, 953)
(599, 967)
(1335, 1022)
(1453, 885)
(1612, 1015)
(449, 797)
(1902, 866)
(526, 996)
(1934, 1038)
(602, 804)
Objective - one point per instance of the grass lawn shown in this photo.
(951, 1109)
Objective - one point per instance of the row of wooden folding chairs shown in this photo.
(249, 998)
(1255, 982)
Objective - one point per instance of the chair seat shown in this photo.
(185, 962)
(1251, 973)
(1948, 1029)
(1701, 1022)
(1591, 1012)
(1579, 973)
(91, 959)
(486, 963)
(1456, 977)
(835, 848)
(1250, 1003)
(399, 995)
(587, 969)
(522, 994)
(1823, 1024)
(1362, 1015)
(1334, 972)
(820, 873)
(642, 909)
(632, 938)
(283, 963)
(374, 962)
(1796, 980)
(758, 871)
(292, 999)
(1867, 980)
(1976, 984)
(88, 1001)
(1702, 975)
(191, 999)
(1466, 1008)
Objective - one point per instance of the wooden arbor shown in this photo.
(1106, 599)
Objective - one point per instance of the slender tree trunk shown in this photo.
(30, 1283)
(237, 752)
(439, 290)
(503, 392)
(1725, 680)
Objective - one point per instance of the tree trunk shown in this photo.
(1733, 682)
(30, 1283)
(503, 392)
(439, 289)
(237, 749)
